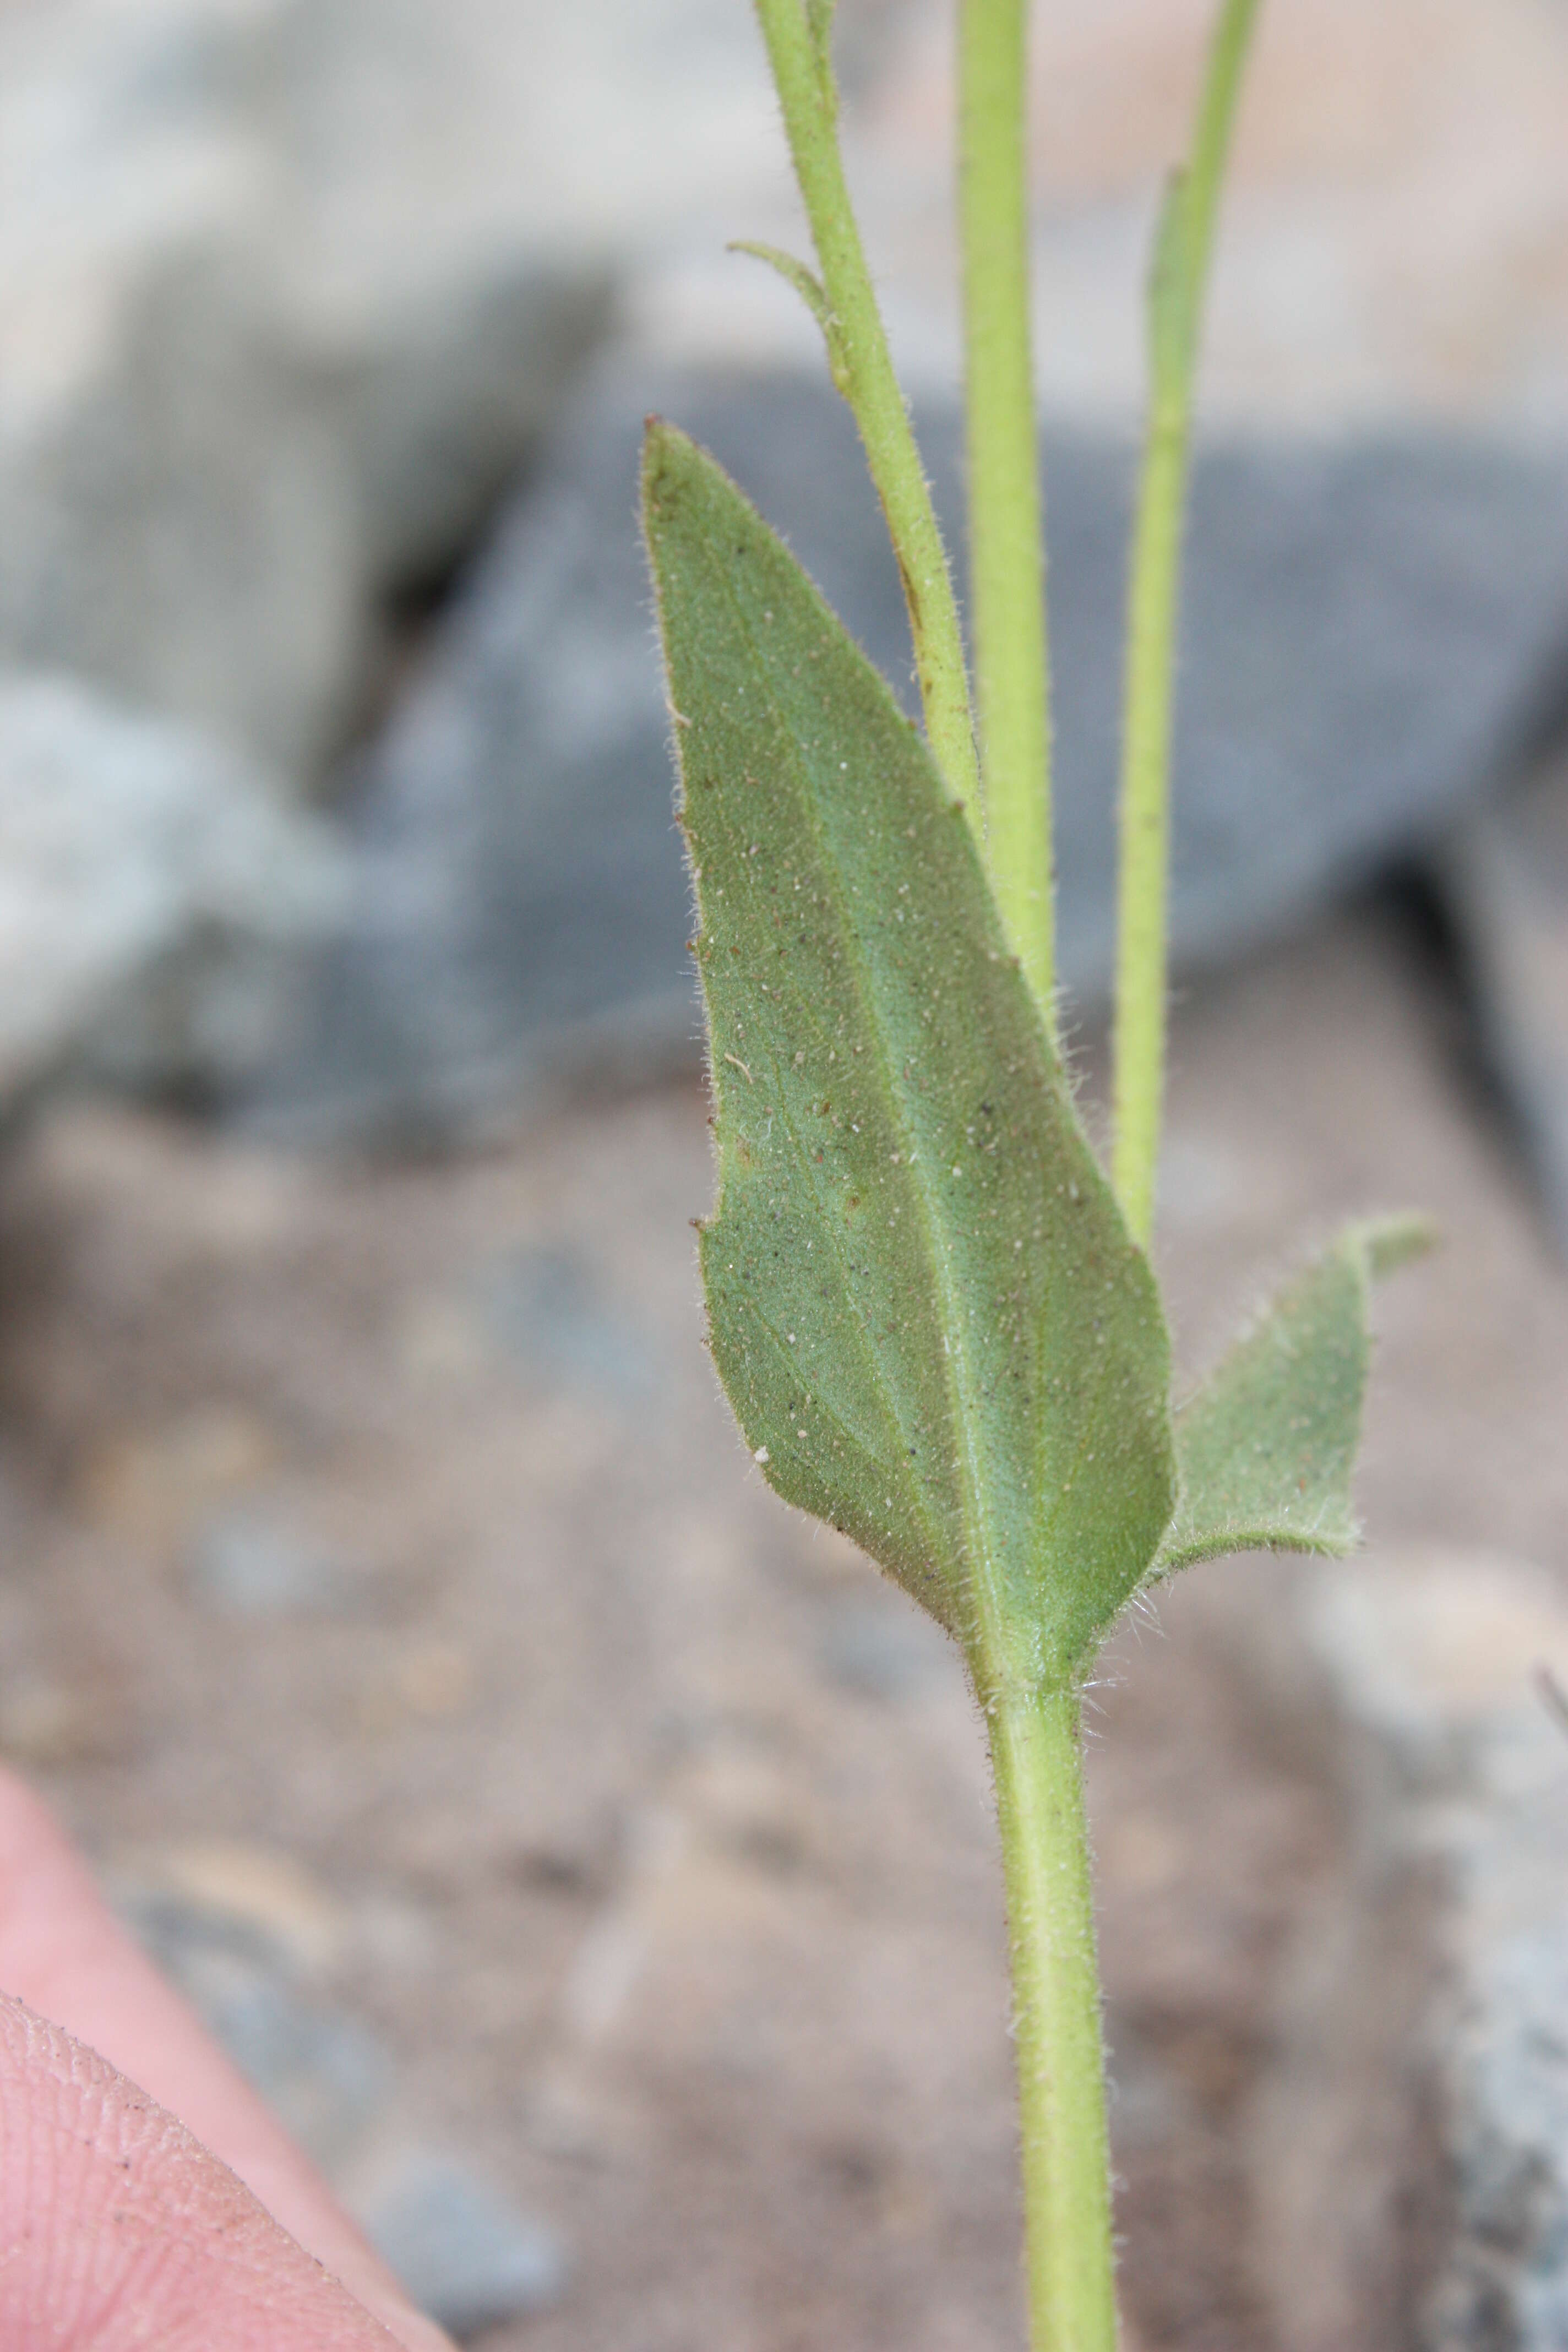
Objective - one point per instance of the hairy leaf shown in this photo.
(810, 288)
(928, 1317)
(1266, 1446)
(806, 282)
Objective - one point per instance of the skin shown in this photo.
(146, 2196)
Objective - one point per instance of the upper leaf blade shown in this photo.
(1266, 1446)
(924, 1306)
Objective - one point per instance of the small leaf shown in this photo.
(806, 282)
(926, 1310)
(1266, 1446)
(812, 292)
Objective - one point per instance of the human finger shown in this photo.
(67, 1959)
(119, 2230)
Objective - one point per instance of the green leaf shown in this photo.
(806, 282)
(1266, 1446)
(925, 1309)
(812, 292)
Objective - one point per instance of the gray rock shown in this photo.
(244, 1944)
(476, 177)
(1414, 2129)
(322, 2073)
(1368, 626)
(285, 289)
(246, 1562)
(544, 1310)
(465, 2252)
(438, 391)
(156, 895)
(181, 527)
(1503, 871)
(882, 1650)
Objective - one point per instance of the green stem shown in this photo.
(796, 33)
(1177, 285)
(1006, 545)
(1056, 2033)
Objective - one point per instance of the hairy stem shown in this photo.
(1006, 547)
(1056, 2031)
(796, 33)
(1175, 307)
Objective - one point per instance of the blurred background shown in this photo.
(591, 1861)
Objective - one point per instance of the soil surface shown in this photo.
(653, 1826)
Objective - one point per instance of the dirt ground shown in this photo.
(654, 1826)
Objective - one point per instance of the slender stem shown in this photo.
(1142, 934)
(1056, 2033)
(1007, 569)
(1175, 307)
(797, 37)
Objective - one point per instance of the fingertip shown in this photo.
(64, 1957)
(118, 2228)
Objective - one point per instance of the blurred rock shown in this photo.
(464, 2252)
(247, 1562)
(1415, 2129)
(232, 1882)
(1369, 625)
(246, 1934)
(544, 1310)
(233, 1950)
(180, 527)
(151, 1488)
(427, 1682)
(287, 287)
(1504, 874)
(46, 1722)
(155, 896)
(882, 1649)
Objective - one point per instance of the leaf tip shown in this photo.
(1386, 1243)
(665, 447)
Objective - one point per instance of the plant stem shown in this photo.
(1180, 275)
(1006, 541)
(796, 33)
(1055, 2007)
